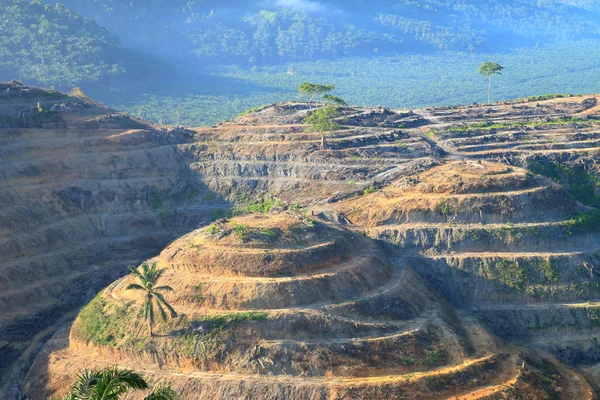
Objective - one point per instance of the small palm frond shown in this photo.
(114, 382)
(164, 288)
(162, 300)
(135, 286)
(158, 273)
(83, 388)
(162, 392)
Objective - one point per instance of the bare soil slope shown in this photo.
(284, 306)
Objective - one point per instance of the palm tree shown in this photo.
(148, 279)
(111, 383)
(106, 384)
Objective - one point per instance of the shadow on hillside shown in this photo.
(162, 215)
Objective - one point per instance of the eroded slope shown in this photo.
(453, 191)
(281, 306)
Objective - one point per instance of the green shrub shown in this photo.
(369, 190)
(582, 223)
(242, 231)
(263, 205)
(445, 207)
(511, 274)
(213, 229)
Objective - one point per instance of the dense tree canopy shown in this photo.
(264, 32)
(54, 45)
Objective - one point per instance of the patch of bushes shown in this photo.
(511, 274)
(445, 207)
(213, 230)
(263, 206)
(435, 357)
(242, 231)
(544, 97)
(583, 223)
(489, 126)
(575, 179)
(549, 271)
(269, 233)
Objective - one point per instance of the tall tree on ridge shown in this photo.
(489, 69)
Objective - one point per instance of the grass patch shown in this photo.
(549, 271)
(369, 190)
(213, 230)
(549, 96)
(101, 327)
(490, 126)
(262, 206)
(218, 322)
(242, 232)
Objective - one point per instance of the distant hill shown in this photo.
(55, 46)
(263, 32)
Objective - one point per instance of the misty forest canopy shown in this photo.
(206, 60)
(267, 31)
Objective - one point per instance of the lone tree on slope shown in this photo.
(148, 280)
(489, 69)
(323, 120)
(313, 90)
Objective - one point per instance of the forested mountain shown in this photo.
(280, 30)
(147, 55)
(55, 46)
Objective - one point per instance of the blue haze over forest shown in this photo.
(198, 62)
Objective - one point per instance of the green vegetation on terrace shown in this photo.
(580, 183)
(262, 205)
(545, 97)
(218, 322)
(245, 233)
(116, 324)
(493, 126)
(586, 222)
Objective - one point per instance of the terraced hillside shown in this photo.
(487, 217)
(285, 307)
(515, 249)
(86, 191)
